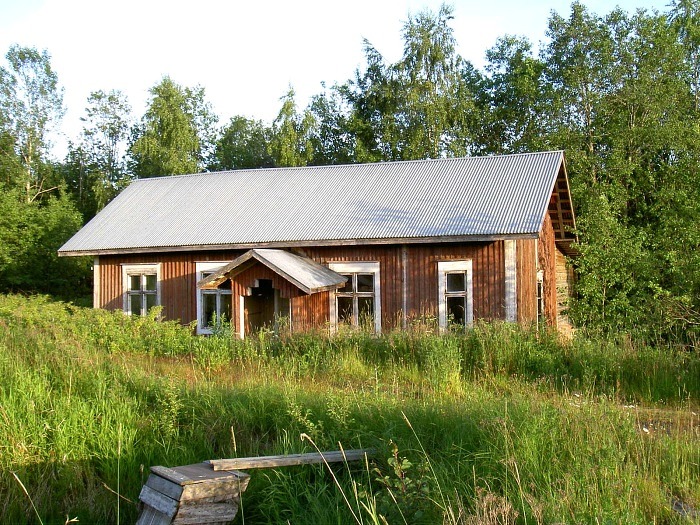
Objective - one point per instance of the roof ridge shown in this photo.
(348, 165)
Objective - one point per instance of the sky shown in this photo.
(245, 54)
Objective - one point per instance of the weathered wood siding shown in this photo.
(526, 255)
(546, 261)
(421, 272)
(565, 283)
(178, 280)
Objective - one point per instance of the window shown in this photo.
(455, 305)
(213, 306)
(141, 283)
(357, 303)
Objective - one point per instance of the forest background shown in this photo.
(618, 92)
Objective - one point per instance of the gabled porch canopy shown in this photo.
(304, 273)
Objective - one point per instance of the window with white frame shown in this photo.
(213, 306)
(358, 302)
(455, 305)
(141, 284)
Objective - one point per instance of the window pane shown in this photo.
(283, 307)
(347, 288)
(135, 304)
(456, 282)
(345, 310)
(150, 282)
(365, 282)
(225, 307)
(456, 310)
(208, 309)
(204, 275)
(150, 301)
(134, 283)
(366, 307)
(226, 285)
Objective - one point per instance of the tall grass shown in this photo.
(498, 425)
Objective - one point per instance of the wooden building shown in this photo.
(379, 244)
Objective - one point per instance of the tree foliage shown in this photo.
(31, 103)
(95, 169)
(176, 133)
(243, 145)
(290, 143)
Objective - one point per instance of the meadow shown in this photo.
(498, 425)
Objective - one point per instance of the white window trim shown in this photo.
(96, 283)
(359, 267)
(511, 271)
(138, 269)
(445, 267)
(201, 267)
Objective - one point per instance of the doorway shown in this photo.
(264, 307)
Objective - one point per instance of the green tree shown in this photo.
(95, 169)
(515, 116)
(431, 86)
(685, 19)
(421, 107)
(373, 102)
(625, 113)
(332, 141)
(243, 144)
(31, 103)
(11, 169)
(290, 144)
(31, 234)
(176, 133)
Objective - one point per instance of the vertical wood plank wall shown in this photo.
(526, 262)
(547, 263)
(178, 279)
(565, 283)
(422, 287)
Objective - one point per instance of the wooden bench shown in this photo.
(210, 492)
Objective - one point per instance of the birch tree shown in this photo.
(31, 105)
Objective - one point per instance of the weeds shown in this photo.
(496, 425)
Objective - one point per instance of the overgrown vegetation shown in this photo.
(498, 425)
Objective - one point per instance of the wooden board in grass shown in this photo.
(288, 460)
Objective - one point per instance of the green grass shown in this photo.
(498, 425)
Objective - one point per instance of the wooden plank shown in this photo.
(203, 472)
(206, 513)
(172, 475)
(164, 486)
(215, 491)
(150, 516)
(158, 501)
(290, 459)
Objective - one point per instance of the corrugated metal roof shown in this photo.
(460, 197)
(304, 273)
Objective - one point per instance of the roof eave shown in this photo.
(300, 244)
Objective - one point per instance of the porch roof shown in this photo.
(304, 273)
